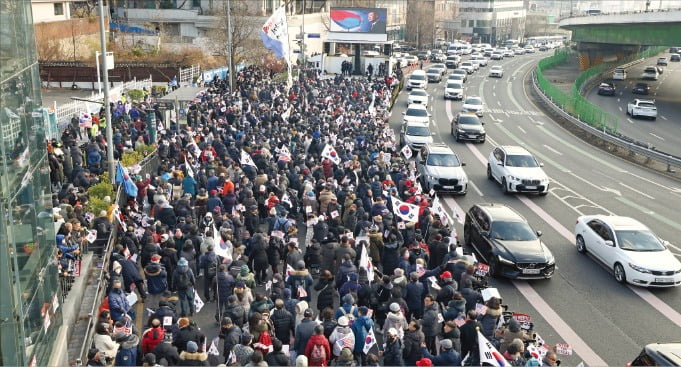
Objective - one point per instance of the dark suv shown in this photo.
(657, 354)
(505, 241)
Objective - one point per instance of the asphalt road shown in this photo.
(663, 133)
(606, 323)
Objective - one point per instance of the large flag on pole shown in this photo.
(365, 263)
(330, 152)
(274, 34)
(406, 211)
(246, 159)
(489, 354)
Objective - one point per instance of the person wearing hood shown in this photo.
(192, 357)
(456, 308)
(447, 357)
(300, 282)
(246, 276)
(157, 281)
(304, 331)
(166, 214)
(261, 304)
(490, 318)
(471, 296)
(325, 289)
(127, 353)
(189, 253)
(342, 336)
(344, 270)
(313, 256)
(395, 320)
(184, 281)
(391, 256)
(399, 279)
(511, 332)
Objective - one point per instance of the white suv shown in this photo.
(454, 90)
(416, 113)
(517, 170)
(441, 170)
(415, 134)
(642, 107)
(417, 79)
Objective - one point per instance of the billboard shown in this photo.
(358, 20)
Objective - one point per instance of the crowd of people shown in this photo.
(276, 204)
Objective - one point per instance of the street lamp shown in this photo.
(109, 66)
(107, 110)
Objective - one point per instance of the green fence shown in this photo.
(573, 102)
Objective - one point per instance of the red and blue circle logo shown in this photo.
(333, 154)
(500, 360)
(404, 209)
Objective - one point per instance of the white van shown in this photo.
(417, 79)
(619, 74)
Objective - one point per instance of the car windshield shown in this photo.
(418, 112)
(417, 77)
(473, 101)
(520, 161)
(469, 120)
(605, 85)
(418, 131)
(646, 105)
(496, 68)
(443, 160)
(433, 71)
(459, 71)
(454, 85)
(455, 77)
(418, 93)
(512, 231)
(638, 241)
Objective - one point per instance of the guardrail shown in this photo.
(618, 140)
(148, 164)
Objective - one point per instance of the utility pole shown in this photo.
(107, 109)
(230, 46)
(302, 41)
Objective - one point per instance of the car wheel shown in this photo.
(581, 246)
(489, 172)
(504, 186)
(620, 275)
(458, 137)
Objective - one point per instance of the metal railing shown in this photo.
(148, 164)
(611, 137)
(188, 75)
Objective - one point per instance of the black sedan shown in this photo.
(505, 241)
(641, 88)
(606, 89)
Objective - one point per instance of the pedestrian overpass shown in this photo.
(608, 37)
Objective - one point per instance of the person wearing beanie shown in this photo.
(184, 281)
(192, 356)
(301, 361)
(300, 282)
(277, 358)
(188, 332)
(165, 352)
(246, 276)
(342, 336)
(283, 321)
(392, 354)
(510, 332)
(317, 349)
(395, 320)
(447, 357)
(152, 336)
(244, 350)
(230, 334)
(157, 281)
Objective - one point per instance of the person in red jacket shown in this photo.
(318, 351)
(152, 336)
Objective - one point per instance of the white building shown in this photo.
(51, 10)
(492, 21)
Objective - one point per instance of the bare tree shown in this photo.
(420, 24)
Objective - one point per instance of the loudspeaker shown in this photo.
(387, 49)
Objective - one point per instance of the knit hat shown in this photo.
(392, 331)
(348, 299)
(150, 359)
(394, 307)
(425, 362)
(446, 343)
(192, 347)
(244, 270)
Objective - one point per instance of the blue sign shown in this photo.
(314, 35)
(181, 111)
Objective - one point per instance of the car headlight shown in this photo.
(504, 260)
(513, 178)
(461, 130)
(639, 269)
(550, 260)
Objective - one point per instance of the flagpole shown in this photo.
(230, 47)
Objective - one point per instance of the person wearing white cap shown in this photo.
(342, 336)
(392, 352)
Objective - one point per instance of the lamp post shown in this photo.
(107, 110)
(230, 46)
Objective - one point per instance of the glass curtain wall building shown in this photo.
(30, 314)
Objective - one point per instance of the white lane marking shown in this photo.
(475, 187)
(456, 209)
(658, 304)
(618, 101)
(657, 136)
(564, 330)
(553, 150)
(523, 130)
(662, 117)
(628, 119)
(494, 94)
(637, 191)
(620, 107)
(499, 102)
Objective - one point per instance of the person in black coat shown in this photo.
(392, 355)
(325, 287)
(391, 255)
(259, 258)
(438, 250)
(275, 250)
(166, 353)
(413, 294)
(469, 337)
(230, 334)
(223, 283)
(235, 311)
(188, 332)
(277, 357)
(284, 323)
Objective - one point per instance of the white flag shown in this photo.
(330, 152)
(213, 350)
(406, 151)
(286, 199)
(289, 270)
(440, 211)
(365, 263)
(274, 34)
(369, 341)
(188, 166)
(489, 354)
(246, 159)
(286, 114)
(372, 108)
(198, 302)
(406, 211)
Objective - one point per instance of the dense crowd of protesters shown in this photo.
(251, 208)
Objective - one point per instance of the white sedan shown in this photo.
(496, 71)
(473, 105)
(418, 96)
(517, 170)
(632, 251)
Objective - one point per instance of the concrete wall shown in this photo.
(44, 11)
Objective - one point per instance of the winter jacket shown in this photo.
(300, 278)
(183, 269)
(127, 353)
(392, 355)
(446, 358)
(243, 354)
(339, 255)
(259, 252)
(304, 331)
(489, 322)
(361, 328)
(431, 325)
(344, 271)
(157, 278)
(283, 323)
(326, 293)
(391, 257)
(236, 312)
(106, 345)
(328, 252)
(318, 339)
(278, 359)
(186, 334)
(412, 346)
(336, 338)
(469, 338)
(413, 295)
(151, 337)
(166, 351)
(194, 359)
(118, 304)
(231, 337)
(472, 297)
(224, 284)
(395, 320)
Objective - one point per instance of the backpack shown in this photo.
(182, 281)
(318, 355)
(280, 225)
(350, 315)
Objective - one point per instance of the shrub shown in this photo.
(131, 158)
(102, 189)
(145, 149)
(136, 94)
(96, 205)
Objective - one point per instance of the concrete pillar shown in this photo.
(592, 54)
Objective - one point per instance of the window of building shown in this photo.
(483, 23)
(471, 23)
(58, 9)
